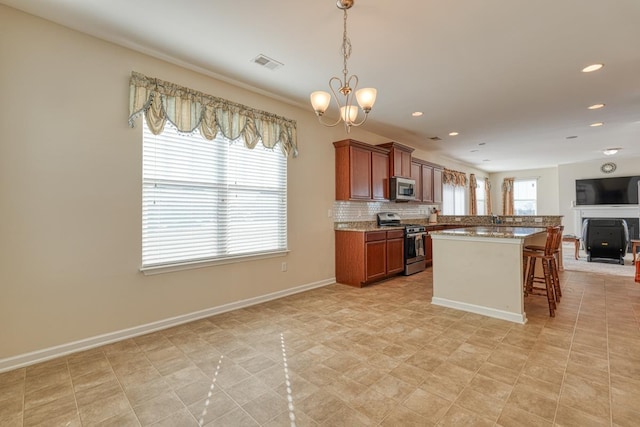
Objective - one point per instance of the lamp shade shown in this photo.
(320, 101)
(349, 113)
(366, 98)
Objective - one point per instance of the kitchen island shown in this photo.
(480, 269)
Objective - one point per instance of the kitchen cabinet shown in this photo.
(428, 244)
(364, 257)
(437, 185)
(399, 159)
(395, 252)
(428, 177)
(362, 171)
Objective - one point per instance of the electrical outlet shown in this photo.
(284, 266)
(509, 219)
(518, 219)
(458, 219)
(537, 220)
(329, 213)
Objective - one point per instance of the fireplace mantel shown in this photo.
(601, 211)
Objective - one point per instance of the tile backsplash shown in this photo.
(366, 211)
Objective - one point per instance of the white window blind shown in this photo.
(210, 200)
(525, 196)
(453, 200)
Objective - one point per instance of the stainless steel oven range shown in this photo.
(414, 235)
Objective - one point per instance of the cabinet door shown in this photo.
(405, 164)
(437, 185)
(427, 183)
(416, 174)
(360, 170)
(428, 251)
(376, 260)
(380, 176)
(395, 255)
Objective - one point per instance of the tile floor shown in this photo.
(381, 355)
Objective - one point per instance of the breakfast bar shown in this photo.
(480, 269)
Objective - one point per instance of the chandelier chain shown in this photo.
(346, 47)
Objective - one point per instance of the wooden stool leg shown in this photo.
(547, 281)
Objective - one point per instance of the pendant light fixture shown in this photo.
(344, 89)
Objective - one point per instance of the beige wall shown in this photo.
(547, 189)
(70, 195)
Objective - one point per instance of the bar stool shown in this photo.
(555, 263)
(547, 257)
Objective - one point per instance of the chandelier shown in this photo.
(346, 87)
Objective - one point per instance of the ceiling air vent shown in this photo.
(267, 62)
(435, 138)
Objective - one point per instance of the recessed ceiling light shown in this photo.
(453, 133)
(610, 151)
(416, 113)
(595, 125)
(592, 67)
(595, 106)
(572, 137)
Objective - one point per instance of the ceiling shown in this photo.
(505, 74)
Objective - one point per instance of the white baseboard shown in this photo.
(478, 309)
(26, 359)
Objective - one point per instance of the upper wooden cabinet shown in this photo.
(362, 171)
(428, 177)
(437, 184)
(399, 159)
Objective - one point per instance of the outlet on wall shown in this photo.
(518, 219)
(537, 219)
(284, 266)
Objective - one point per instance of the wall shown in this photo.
(70, 195)
(567, 175)
(70, 198)
(547, 197)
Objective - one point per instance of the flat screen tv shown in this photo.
(619, 190)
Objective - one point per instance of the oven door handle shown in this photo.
(422, 233)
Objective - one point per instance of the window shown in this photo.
(481, 196)
(524, 197)
(453, 200)
(210, 200)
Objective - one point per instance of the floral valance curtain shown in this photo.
(487, 195)
(455, 178)
(188, 110)
(473, 205)
(507, 196)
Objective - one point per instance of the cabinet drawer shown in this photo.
(372, 236)
(395, 234)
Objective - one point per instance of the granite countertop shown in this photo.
(497, 231)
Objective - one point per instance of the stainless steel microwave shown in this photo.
(402, 189)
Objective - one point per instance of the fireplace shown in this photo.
(630, 214)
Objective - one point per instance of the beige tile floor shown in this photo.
(381, 355)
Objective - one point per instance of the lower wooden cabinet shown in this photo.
(365, 257)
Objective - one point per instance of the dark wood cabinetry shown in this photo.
(395, 252)
(366, 257)
(428, 177)
(362, 171)
(437, 185)
(399, 159)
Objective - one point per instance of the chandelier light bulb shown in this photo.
(349, 114)
(320, 101)
(366, 98)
